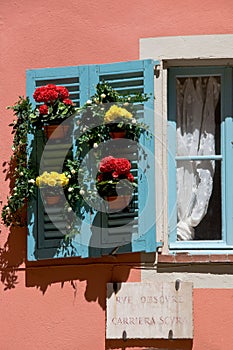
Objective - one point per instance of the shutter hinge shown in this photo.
(157, 70)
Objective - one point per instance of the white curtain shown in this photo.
(196, 103)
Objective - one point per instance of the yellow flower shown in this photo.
(52, 182)
(64, 180)
(54, 175)
(116, 112)
(38, 181)
(52, 179)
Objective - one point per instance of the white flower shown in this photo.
(82, 192)
(69, 209)
(84, 129)
(13, 149)
(134, 121)
(88, 102)
(102, 95)
(95, 145)
(73, 171)
(70, 189)
(21, 173)
(31, 181)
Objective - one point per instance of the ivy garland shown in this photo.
(20, 173)
(91, 130)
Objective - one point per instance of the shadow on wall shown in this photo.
(13, 252)
(96, 272)
(12, 255)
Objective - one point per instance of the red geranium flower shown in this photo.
(67, 101)
(100, 177)
(38, 94)
(130, 177)
(50, 93)
(50, 96)
(123, 166)
(62, 92)
(107, 164)
(46, 94)
(51, 87)
(43, 109)
(115, 175)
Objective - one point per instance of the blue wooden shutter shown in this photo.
(46, 242)
(133, 77)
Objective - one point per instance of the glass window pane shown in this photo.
(199, 181)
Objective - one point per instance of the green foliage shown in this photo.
(109, 188)
(20, 173)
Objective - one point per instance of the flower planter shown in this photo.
(53, 199)
(118, 203)
(56, 131)
(117, 134)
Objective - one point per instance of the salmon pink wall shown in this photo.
(63, 306)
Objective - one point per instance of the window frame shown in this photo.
(226, 120)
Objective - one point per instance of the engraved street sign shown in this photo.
(149, 310)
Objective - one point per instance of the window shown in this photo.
(46, 241)
(188, 60)
(200, 121)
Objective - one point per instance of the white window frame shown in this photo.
(197, 50)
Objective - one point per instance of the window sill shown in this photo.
(179, 258)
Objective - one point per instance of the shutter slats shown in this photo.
(126, 80)
(59, 81)
(126, 83)
(124, 230)
(53, 234)
(110, 77)
(57, 226)
(54, 210)
(132, 89)
(124, 223)
(54, 225)
(57, 146)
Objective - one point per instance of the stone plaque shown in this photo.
(149, 310)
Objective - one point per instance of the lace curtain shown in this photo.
(196, 103)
